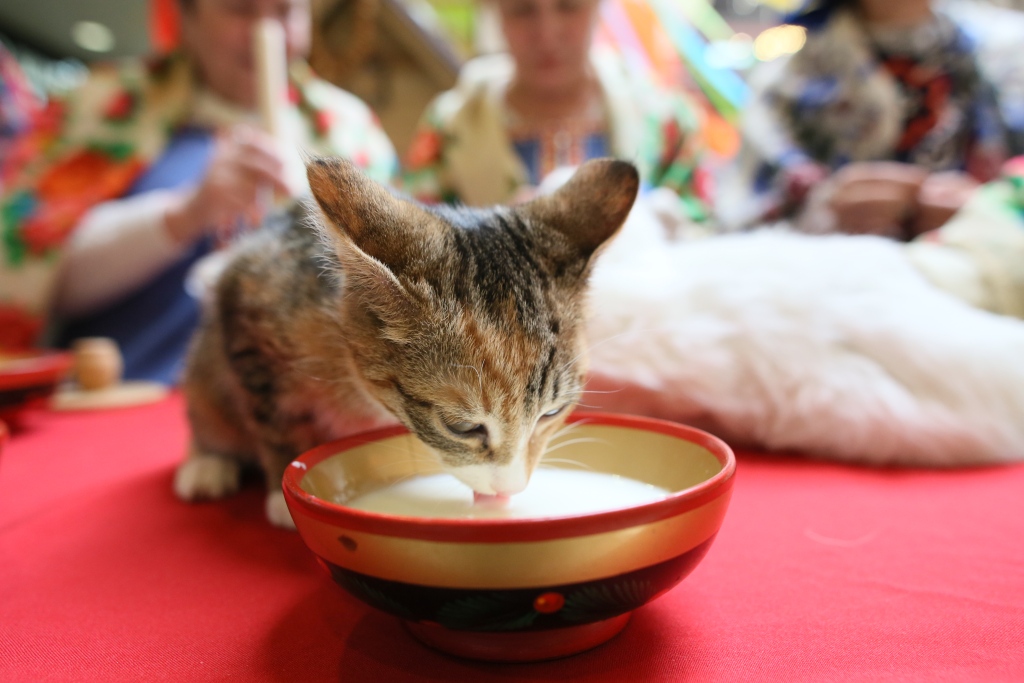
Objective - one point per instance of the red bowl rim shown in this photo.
(36, 368)
(514, 530)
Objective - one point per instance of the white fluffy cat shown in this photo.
(835, 346)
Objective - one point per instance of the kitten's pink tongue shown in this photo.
(488, 499)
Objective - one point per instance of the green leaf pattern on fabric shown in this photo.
(12, 213)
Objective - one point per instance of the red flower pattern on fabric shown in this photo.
(1014, 167)
(89, 174)
(672, 139)
(424, 150)
(33, 143)
(121, 107)
(703, 184)
(322, 121)
(68, 189)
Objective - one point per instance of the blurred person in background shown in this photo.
(552, 101)
(882, 123)
(151, 165)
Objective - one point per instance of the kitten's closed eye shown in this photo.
(556, 411)
(466, 429)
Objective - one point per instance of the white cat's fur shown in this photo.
(833, 346)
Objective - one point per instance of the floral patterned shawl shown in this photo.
(90, 148)
(462, 151)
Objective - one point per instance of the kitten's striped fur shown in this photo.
(464, 324)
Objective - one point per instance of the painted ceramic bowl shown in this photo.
(28, 379)
(516, 589)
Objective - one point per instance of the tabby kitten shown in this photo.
(466, 325)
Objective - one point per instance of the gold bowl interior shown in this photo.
(646, 456)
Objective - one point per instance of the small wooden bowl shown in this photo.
(28, 379)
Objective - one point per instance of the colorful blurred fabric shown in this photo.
(858, 94)
(815, 13)
(542, 152)
(18, 103)
(92, 146)
(463, 151)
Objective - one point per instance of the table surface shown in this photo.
(821, 572)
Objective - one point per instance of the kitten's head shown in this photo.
(468, 324)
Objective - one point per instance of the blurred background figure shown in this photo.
(551, 101)
(876, 81)
(150, 165)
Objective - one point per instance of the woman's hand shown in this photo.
(246, 167)
(876, 198)
(941, 196)
(798, 180)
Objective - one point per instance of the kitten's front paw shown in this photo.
(277, 511)
(206, 476)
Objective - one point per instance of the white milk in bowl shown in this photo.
(552, 492)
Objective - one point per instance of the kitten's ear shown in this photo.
(591, 207)
(364, 213)
(371, 231)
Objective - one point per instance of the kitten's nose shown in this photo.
(508, 480)
(491, 480)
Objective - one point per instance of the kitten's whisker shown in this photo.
(581, 439)
(581, 421)
(561, 435)
(554, 447)
(565, 430)
(564, 461)
(596, 391)
(594, 345)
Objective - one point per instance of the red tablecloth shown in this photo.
(821, 572)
